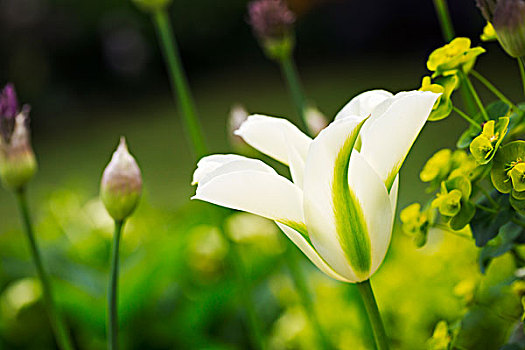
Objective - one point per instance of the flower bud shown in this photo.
(238, 115)
(121, 185)
(17, 160)
(152, 5)
(315, 120)
(508, 19)
(272, 22)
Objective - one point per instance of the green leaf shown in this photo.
(507, 235)
(465, 215)
(484, 225)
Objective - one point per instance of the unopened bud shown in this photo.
(17, 160)
(315, 119)
(238, 115)
(508, 19)
(272, 22)
(121, 185)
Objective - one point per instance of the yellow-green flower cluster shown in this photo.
(453, 57)
(445, 165)
(485, 146)
(453, 202)
(416, 222)
(442, 85)
(508, 173)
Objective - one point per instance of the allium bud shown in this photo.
(315, 120)
(121, 185)
(272, 22)
(508, 19)
(17, 160)
(238, 115)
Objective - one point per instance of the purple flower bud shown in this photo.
(17, 160)
(508, 19)
(270, 19)
(8, 111)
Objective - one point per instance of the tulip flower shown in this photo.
(339, 208)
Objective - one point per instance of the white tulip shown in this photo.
(339, 209)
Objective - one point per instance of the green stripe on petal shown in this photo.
(297, 226)
(349, 218)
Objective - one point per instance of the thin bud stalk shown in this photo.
(61, 333)
(179, 83)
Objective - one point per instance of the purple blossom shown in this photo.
(270, 19)
(8, 111)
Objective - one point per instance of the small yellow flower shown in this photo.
(489, 34)
(484, 146)
(437, 166)
(443, 86)
(452, 57)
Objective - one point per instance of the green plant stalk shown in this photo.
(474, 94)
(245, 293)
(444, 19)
(447, 29)
(305, 294)
(494, 90)
(296, 91)
(61, 333)
(521, 64)
(467, 118)
(112, 319)
(365, 289)
(179, 82)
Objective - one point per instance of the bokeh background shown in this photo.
(92, 71)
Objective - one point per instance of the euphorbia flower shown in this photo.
(339, 209)
(457, 55)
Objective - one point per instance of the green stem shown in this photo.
(494, 90)
(487, 209)
(365, 289)
(292, 78)
(61, 333)
(488, 196)
(467, 118)
(179, 83)
(521, 64)
(474, 94)
(444, 19)
(113, 290)
(246, 292)
(305, 294)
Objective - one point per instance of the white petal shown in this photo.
(387, 137)
(393, 196)
(296, 165)
(310, 252)
(261, 193)
(235, 165)
(318, 200)
(363, 104)
(270, 136)
(210, 163)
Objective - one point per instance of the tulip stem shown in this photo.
(305, 294)
(59, 328)
(179, 82)
(521, 64)
(365, 289)
(474, 94)
(112, 319)
(494, 90)
(467, 118)
(294, 85)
